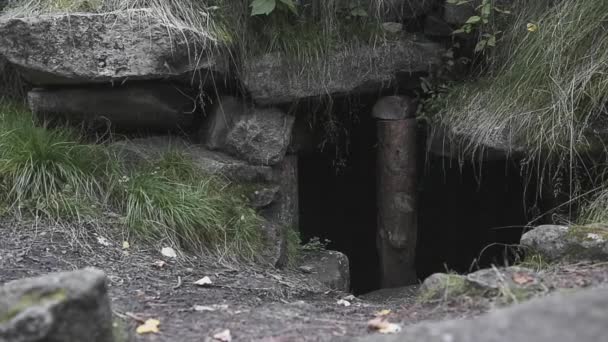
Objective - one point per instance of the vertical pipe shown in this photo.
(396, 190)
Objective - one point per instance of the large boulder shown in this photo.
(562, 243)
(258, 135)
(80, 48)
(209, 162)
(148, 106)
(66, 307)
(273, 78)
(562, 317)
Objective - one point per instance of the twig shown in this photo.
(179, 283)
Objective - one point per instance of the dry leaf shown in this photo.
(343, 302)
(149, 326)
(383, 326)
(532, 27)
(223, 336)
(214, 307)
(103, 241)
(381, 313)
(203, 281)
(169, 252)
(521, 278)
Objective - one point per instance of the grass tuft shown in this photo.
(545, 90)
(169, 199)
(52, 173)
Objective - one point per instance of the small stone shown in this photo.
(392, 27)
(306, 269)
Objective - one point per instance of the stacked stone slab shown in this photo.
(130, 70)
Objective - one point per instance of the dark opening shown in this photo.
(338, 199)
(468, 214)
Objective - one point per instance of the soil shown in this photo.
(255, 303)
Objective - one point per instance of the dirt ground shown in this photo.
(255, 303)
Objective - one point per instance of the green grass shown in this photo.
(47, 170)
(170, 199)
(52, 173)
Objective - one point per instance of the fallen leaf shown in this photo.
(532, 27)
(202, 308)
(159, 263)
(126, 245)
(203, 281)
(350, 297)
(343, 302)
(521, 278)
(149, 326)
(383, 326)
(223, 336)
(381, 313)
(169, 252)
(103, 241)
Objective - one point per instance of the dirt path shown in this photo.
(254, 303)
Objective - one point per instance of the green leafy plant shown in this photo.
(480, 22)
(265, 7)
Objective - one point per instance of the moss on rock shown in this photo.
(33, 299)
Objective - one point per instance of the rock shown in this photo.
(512, 283)
(440, 286)
(275, 240)
(285, 209)
(140, 106)
(330, 268)
(78, 48)
(458, 14)
(435, 26)
(220, 120)
(209, 162)
(66, 307)
(272, 79)
(264, 196)
(562, 317)
(260, 136)
(11, 86)
(576, 243)
(507, 284)
(392, 27)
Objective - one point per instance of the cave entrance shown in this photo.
(471, 215)
(338, 195)
(468, 215)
